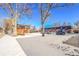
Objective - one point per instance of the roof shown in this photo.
(23, 26)
(67, 27)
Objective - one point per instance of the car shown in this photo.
(60, 32)
(76, 31)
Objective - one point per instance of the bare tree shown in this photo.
(45, 12)
(16, 10)
(77, 24)
(19, 9)
(57, 24)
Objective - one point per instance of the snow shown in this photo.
(10, 47)
(34, 44)
(29, 35)
(49, 45)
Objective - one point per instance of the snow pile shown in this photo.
(74, 41)
(10, 47)
(68, 50)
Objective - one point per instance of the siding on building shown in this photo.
(22, 29)
(54, 29)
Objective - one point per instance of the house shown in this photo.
(12, 28)
(54, 29)
(9, 26)
(1, 30)
(22, 29)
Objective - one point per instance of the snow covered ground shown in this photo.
(49, 45)
(34, 44)
(29, 35)
(10, 47)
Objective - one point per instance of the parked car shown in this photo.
(68, 31)
(76, 30)
(60, 32)
(48, 32)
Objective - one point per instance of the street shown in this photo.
(43, 46)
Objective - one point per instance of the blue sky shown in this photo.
(69, 14)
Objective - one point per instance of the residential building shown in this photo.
(54, 29)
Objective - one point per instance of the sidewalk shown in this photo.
(10, 47)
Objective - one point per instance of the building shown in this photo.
(54, 29)
(22, 29)
(9, 26)
(12, 28)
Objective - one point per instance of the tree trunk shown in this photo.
(43, 30)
